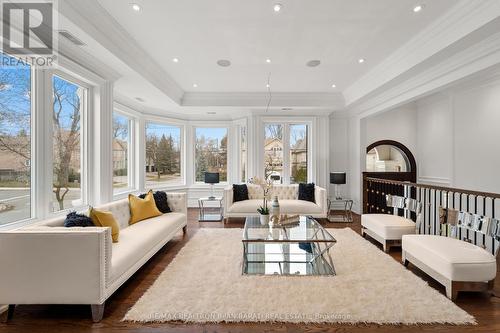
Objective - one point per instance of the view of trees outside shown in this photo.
(243, 156)
(274, 149)
(68, 104)
(273, 152)
(15, 143)
(298, 154)
(211, 152)
(163, 154)
(121, 134)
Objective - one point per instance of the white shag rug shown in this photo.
(204, 284)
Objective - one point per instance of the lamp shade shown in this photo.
(211, 177)
(337, 178)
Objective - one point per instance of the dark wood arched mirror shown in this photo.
(388, 159)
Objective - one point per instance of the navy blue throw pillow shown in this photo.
(160, 201)
(77, 220)
(240, 192)
(306, 192)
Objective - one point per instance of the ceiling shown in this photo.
(336, 32)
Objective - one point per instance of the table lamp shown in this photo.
(211, 178)
(337, 178)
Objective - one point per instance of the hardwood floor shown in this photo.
(77, 318)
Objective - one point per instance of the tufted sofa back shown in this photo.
(284, 192)
(121, 210)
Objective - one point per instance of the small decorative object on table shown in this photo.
(275, 208)
(264, 215)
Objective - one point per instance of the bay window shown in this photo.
(210, 152)
(122, 163)
(68, 114)
(15, 143)
(163, 154)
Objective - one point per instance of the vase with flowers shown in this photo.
(266, 185)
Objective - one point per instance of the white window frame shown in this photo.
(167, 122)
(131, 148)
(286, 123)
(227, 126)
(85, 157)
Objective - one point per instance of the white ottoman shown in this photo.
(386, 229)
(458, 265)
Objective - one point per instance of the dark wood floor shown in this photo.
(76, 318)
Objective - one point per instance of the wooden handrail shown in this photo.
(434, 187)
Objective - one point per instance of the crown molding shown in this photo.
(464, 18)
(91, 17)
(479, 59)
(81, 57)
(261, 99)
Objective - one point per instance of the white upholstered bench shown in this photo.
(388, 229)
(454, 263)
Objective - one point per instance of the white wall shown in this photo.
(454, 135)
(339, 150)
(398, 124)
(435, 140)
(477, 138)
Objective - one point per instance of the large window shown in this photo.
(121, 143)
(273, 152)
(298, 154)
(286, 153)
(163, 154)
(69, 103)
(15, 143)
(211, 152)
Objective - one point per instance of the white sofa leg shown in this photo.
(7, 315)
(385, 247)
(97, 312)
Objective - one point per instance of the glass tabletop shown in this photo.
(303, 229)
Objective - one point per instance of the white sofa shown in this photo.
(287, 196)
(48, 263)
(458, 265)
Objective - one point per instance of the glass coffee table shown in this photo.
(298, 248)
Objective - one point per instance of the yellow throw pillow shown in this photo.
(141, 209)
(105, 219)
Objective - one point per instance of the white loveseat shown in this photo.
(288, 199)
(48, 263)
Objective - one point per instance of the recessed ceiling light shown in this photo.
(361, 60)
(277, 7)
(224, 63)
(418, 8)
(268, 85)
(334, 86)
(175, 60)
(195, 85)
(136, 7)
(268, 60)
(313, 63)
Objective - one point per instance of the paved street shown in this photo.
(20, 199)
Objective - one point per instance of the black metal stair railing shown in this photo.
(478, 222)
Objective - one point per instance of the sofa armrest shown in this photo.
(55, 265)
(321, 199)
(228, 198)
(177, 202)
